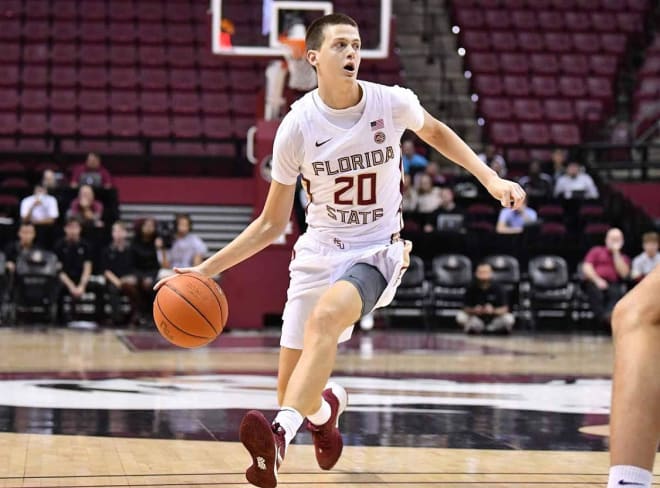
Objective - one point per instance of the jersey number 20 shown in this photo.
(366, 189)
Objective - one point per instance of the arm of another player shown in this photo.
(259, 234)
(445, 140)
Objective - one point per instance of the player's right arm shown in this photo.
(276, 212)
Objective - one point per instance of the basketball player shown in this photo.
(344, 138)
(635, 415)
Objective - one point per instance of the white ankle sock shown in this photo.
(322, 415)
(632, 476)
(290, 420)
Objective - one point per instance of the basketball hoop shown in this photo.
(295, 46)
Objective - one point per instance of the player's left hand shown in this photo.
(509, 193)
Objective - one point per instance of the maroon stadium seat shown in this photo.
(180, 34)
(503, 133)
(638, 5)
(182, 79)
(588, 109)
(483, 62)
(496, 108)
(149, 12)
(186, 127)
(63, 124)
(36, 54)
(9, 76)
(123, 101)
(121, 11)
(34, 100)
(126, 78)
(600, 88)
(93, 55)
(524, 20)
(497, 19)
(535, 133)
(651, 66)
(574, 64)
(122, 55)
(33, 124)
(487, 85)
(586, 42)
(153, 34)
(64, 54)
(558, 110)
(93, 32)
(243, 103)
(152, 56)
(64, 31)
(65, 10)
(153, 79)
(514, 63)
(475, 41)
(527, 109)
(550, 21)
(539, 4)
(613, 43)
(469, 18)
(10, 29)
(565, 134)
(588, 5)
(246, 82)
(504, 41)
(558, 42)
(36, 76)
(181, 57)
(10, 53)
(215, 103)
(185, 103)
(544, 64)
(93, 125)
(514, 4)
(63, 100)
(615, 5)
(122, 33)
(124, 125)
(531, 41)
(8, 123)
(155, 126)
(92, 77)
(154, 102)
(64, 76)
(240, 125)
(93, 101)
(217, 127)
(603, 21)
(551, 213)
(178, 13)
(571, 86)
(577, 21)
(516, 86)
(563, 4)
(93, 10)
(604, 64)
(17, 186)
(630, 22)
(214, 80)
(36, 31)
(8, 99)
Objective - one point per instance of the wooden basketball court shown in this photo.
(114, 408)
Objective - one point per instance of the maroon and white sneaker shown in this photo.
(265, 443)
(328, 443)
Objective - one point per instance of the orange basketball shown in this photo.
(190, 310)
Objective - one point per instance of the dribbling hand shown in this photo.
(178, 271)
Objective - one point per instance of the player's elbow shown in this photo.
(272, 226)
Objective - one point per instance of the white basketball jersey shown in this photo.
(353, 177)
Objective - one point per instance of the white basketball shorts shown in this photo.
(318, 262)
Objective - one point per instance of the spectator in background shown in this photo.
(119, 271)
(433, 170)
(412, 161)
(605, 270)
(187, 249)
(41, 210)
(644, 263)
(513, 221)
(86, 208)
(409, 203)
(91, 172)
(448, 216)
(575, 184)
(494, 160)
(428, 196)
(24, 244)
(75, 259)
(486, 308)
(537, 184)
(148, 256)
(558, 163)
(50, 180)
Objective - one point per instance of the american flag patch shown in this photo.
(377, 124)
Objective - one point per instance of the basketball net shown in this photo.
(302, 76)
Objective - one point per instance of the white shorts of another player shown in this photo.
(319, 261)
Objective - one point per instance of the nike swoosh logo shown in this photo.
(319, 144)
(629, 483)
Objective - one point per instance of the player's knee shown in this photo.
(323, 322)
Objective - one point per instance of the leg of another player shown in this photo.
(635, 416)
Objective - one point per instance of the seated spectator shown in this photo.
(41, 210)
(513, 221)
(24, 244)
(91, 173)
(558, 163)
(148, 256)
(575, 184)
(486, 308)
(605, 270)
(644, 263)
(86, 208)
(448, 216)
(51, 180)
(119, 271)
(412, 161)
(428, 196)
(187, 249)
(536, 184)
(75, 259)
(494, 160)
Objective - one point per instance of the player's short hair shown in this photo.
(315, 32)
(650, 237)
